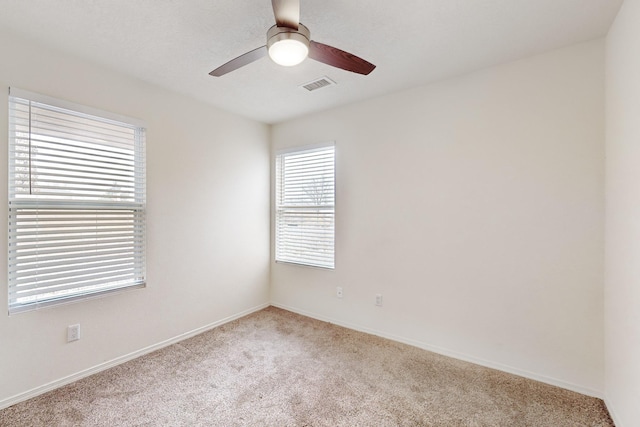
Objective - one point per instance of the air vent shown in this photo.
(318, 84)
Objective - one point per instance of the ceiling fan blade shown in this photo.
(287, 13)
(240, 61)
(339, 58)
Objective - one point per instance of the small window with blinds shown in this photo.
(305, 206)
(76, 202)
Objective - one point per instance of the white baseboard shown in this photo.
(5, 403)
(612, 412)
(451, 353)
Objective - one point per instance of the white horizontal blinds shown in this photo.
(305, 207)
(63, 155)
(76, 204)
(64, 252)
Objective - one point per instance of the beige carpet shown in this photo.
(276, 368)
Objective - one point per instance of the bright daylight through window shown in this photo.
(305, 206)
(76, 202)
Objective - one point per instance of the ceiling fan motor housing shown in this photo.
(276, 34)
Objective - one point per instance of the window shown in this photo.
(305, 206)
(76, 202)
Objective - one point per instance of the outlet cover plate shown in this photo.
(73, 332)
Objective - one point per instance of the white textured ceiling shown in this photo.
(176, 43)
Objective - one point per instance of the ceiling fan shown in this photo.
(289, 43)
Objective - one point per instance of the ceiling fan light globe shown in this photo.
(288, 46)
(288, 52)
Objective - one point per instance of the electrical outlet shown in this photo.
(379, 299)
(339, 291)
(73, 333)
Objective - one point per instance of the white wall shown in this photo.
(622, 286)
(208, 224)
(475, 206)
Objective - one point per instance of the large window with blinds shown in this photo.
(76, 202)
(305, 206)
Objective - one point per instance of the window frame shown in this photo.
(279, 208)
(130, 210)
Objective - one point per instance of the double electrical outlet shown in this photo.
(73, 332)
(378, 300)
